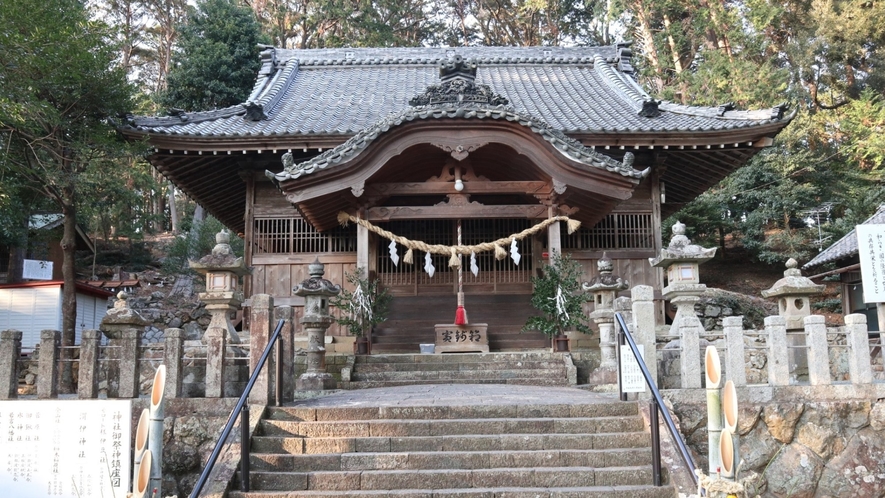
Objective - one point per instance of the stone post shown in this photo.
(857, 337)
(173, 351)
(690, 352)
(260, 328)
(10, 351)
(316, 292)
(778, 355)
(216, 347)
(644, 325)
(735, 363)
(87, 386)
(128, 362)
(287, 335)
(47, 365)
(818, 350)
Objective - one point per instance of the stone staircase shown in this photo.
(527, 368)
(597, 449)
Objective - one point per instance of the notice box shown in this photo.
(65, 448)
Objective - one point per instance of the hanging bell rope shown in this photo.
(454, 251)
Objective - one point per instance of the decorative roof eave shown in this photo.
(567, 147)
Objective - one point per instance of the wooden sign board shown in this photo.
(67, 448)
(871, 249)
(470, 338)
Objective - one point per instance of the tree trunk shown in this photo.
(69, 292)
(17, 256)
(173, 210)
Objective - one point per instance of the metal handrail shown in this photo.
(657, 405)
(242, 409)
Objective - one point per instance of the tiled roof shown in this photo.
(344, 91)
(846, 246)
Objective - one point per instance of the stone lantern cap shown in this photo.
(121, 317)
(681, 250)
(606, 280)
(222, 258)
(316, 285)
(793, 283)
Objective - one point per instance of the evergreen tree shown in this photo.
(59, 88)
(217, 57)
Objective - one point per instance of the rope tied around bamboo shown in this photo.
(454, 251)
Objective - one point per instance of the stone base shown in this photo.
(603, 375)
(470, 338)
(315, 382)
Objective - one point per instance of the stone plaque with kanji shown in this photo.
(462, 338)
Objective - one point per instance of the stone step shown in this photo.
(524, 381)
(601, 408)
(558, 372)
(450, 427)
(483, 358)
(545, 492)
(449, 362)
(624, 457)
(495, 442)
(519, 477)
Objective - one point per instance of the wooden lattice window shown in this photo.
(296, 236)
(615, 231)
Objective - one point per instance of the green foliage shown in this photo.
(363, 307)
(217, 59)
(560, 277)
(197, 241)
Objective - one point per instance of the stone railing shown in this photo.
(123, 366)
(775, 356)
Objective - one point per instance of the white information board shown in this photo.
(871, 249)
(65, 448)
(37, 270)
(632, 380)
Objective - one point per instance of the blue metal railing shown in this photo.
(243, 411)
(656, 405)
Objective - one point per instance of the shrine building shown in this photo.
(425, 143)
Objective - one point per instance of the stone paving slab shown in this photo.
(457, 395)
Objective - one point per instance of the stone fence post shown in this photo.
(818, 350)
(260, 328)
(735, 363)
(128, 362)
(173, 349)
(47, 366)
(644, 326)
(87, 386)
(287, 335)
(857, 337)
(778, 354)
(216, 347)
(690, 354)
(10, 352)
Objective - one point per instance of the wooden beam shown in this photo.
(453, 212)
(470, 187)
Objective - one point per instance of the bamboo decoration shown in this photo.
(457, 250)
(730, 417)
(141, 440)
(713, 374)
(142, 476)
(155, 433)
(726, 455)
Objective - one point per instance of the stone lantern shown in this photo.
(604, 288)
(793, 294)
(124, 327)
(316, 292)
(222, 271)
(680, 260)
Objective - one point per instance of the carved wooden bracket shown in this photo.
(460, 151)
(358, 189)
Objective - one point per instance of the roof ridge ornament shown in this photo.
(458, 86)
(650, 108)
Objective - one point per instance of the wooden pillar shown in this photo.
(248, 217)
(554, 237)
